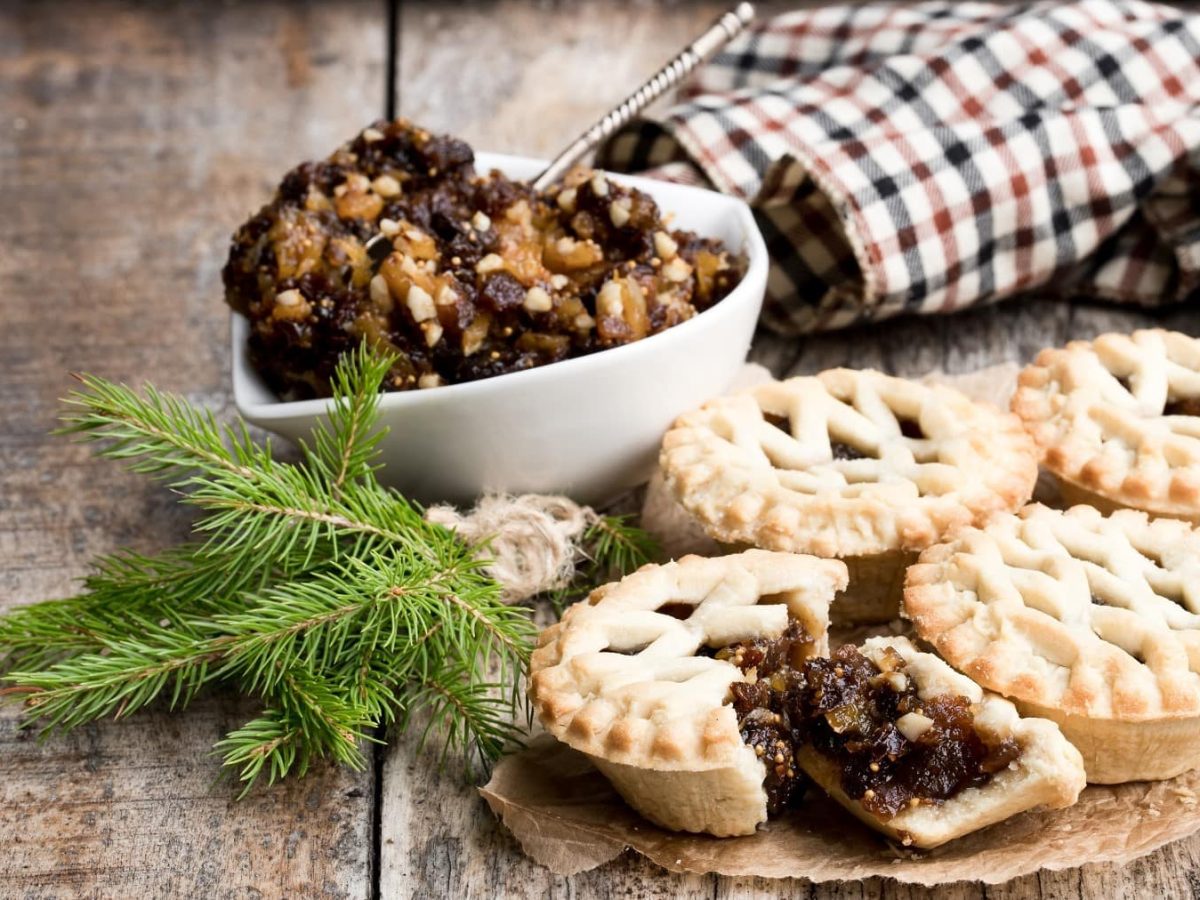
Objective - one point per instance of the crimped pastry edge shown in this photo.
(1049, 771)
(1080, 462)
(727, 503)
(929, 605)
(714, 741)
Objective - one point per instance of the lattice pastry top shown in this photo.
(1120, 416)
(1072, 612)
(846, 463)
(620, 677)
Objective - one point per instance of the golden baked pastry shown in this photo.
(920, 753)
(639, 678)
(851, 464)
(1117, 419)
(1085, 619)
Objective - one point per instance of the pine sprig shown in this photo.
(311, 587)
(616, 545)
(611, 548)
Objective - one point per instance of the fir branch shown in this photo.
(466, 712)
(617, 546)
(308, 722)
(127, 593)
(345, 446)
(311, 586)
(120, 679)
(611, 548)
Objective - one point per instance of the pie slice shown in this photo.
(919, 752)
(850, 464)
(1092, 621)
(1117, 420)
(640, 677)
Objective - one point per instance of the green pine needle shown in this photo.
(311, 587)
(611, 548)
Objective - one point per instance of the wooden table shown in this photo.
(133, 139)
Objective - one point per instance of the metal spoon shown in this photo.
(721, 33)
(725, 29)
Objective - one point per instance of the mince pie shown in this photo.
(851, 464)
(1092, 621)
(919, 752)
(1117, 420)
(641, 676)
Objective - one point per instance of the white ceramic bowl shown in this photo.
(587, 427)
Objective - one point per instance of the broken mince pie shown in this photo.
(850, 464)
(639, 678)
(1117, 420)
(918, 751)
(1088, 620)
(482, 274)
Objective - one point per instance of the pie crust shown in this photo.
(1118, 417)
(922, 459)
(1048, 771)
(620, 680)
(1086, 619)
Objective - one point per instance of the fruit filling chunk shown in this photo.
(894, 748)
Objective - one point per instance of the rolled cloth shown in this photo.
(932, 156)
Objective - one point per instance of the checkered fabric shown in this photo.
(924, 158)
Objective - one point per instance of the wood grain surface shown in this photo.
(133, 138)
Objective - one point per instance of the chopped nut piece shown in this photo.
(618, 211)
(420, 304)
(446, 296)
(481, 221)
(608, 301)
(897, 681)
(386, 186)
(677, 270)
(433, 332)
(432, 380)
(493, 262)
(291, 306)
(537, 300)
(380, 295)
(558, 282)
(389, 227)
(665, 245)
(913, 725)
(599, 184)
(371, 135)
(566, 199)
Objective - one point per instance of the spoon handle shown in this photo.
(723, 30)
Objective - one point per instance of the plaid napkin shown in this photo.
(924, 158)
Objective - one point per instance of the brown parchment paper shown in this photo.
(568, 818)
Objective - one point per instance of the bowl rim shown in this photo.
(756, 272)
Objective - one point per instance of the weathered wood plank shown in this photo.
(515, 77)
(518, 77)
(133, 139)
